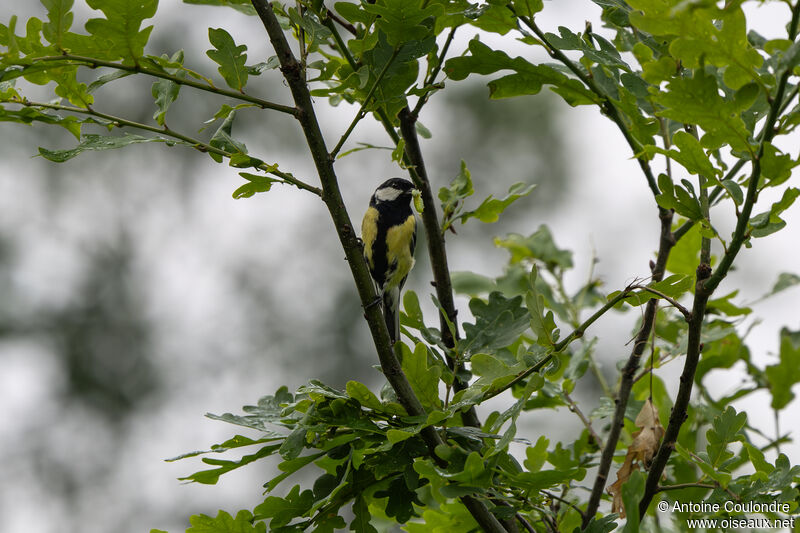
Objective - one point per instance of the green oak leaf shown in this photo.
(690, 155)
(223, 466)
(783, 375)
(29, 115)
(225, 523)
(725, 430)
(538, 246)
(491, 208)
(424, 379)
(242, 6)
(361, 517)
(99, 142)
(120, 35)
(230, 58)
(283, 510)
(166, 91)
(59, 20)
(696, 100)
(499, 321)
(527, 79)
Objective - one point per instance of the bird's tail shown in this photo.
(391, 312)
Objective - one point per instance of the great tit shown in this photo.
(389, 234)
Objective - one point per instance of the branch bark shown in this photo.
(666, 243)
(678, 415)
(436, 244)
(707, 282)
(436, 247)
(331, 195)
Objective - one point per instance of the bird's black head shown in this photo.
(392, 190)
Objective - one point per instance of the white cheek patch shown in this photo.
(388, 194)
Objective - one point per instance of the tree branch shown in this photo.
(685, 312)
(573, 406)
(195, 143)
(559, 346)
(678, 414)
(606, 105)
(361, 113)
(94, 63)
(707, 282)
(436, 247)
(666, 242)
(333, 200)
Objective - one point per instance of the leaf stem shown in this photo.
(573, 406)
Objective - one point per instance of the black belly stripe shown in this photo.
(379, 260)
(389, 215)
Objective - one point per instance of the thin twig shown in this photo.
(435, 71)
(558, 347)
(361, 111)
(652, 357)
(528, 527)
(685, 312)
(605, 103)
(563, 500)
(573, 406)
(195, 143)
(679, 486)
(94, 63)
(341, 22)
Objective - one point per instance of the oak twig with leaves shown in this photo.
(702, 100)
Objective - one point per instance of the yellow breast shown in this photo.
(369, 231)
(398, 249)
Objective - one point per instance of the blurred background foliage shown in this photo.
(136, 294)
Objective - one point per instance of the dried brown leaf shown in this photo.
(641, 451)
